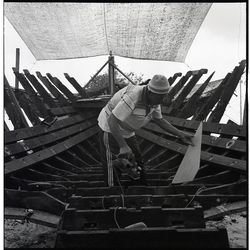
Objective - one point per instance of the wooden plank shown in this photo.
(71, 157)
(130, 190)
(226, 162)
(215, 142)
(172, 79)
(28, 107)
(17, 67)
(186, 89)
(37, 217)
(35, 200)
(238, 187)
(22, 134)
(44, 154)
(61, 87)
(55, 170)
(138, 201)
(84, 153)
(76, 85)
(191, 161)
(13, 108)
(221, 177)
(230, 87)
(54, 91)
(37, 102)
(225, 209)
(148, 238)
(65, 110)
(177, 87)
(66, 165)
(6, 129)
(43, 140)
(191, 105)
(75, 220)
(205, 109)
(40, 89)
(227, 129)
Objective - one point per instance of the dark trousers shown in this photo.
(109, 151)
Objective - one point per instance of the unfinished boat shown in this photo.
(53, 173)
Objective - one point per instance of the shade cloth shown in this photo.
(155, 31)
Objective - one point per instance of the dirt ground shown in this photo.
(30, 235)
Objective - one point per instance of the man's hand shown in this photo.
(187, 138)
(126, 152)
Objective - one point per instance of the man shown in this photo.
(129, 109)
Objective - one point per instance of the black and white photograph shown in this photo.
(125, 125)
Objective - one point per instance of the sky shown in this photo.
(219, 46)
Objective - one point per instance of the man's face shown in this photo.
(155, 99)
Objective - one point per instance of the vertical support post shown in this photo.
(111, 74)
(17, 66)
(245, 112)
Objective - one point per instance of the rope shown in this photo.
(197, 192)
(115, 217)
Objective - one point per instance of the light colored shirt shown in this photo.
(129, 106)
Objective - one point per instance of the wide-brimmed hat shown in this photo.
(159, 84)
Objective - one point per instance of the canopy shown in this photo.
(155, 31)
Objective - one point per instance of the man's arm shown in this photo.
(164, 124)
(115, 130)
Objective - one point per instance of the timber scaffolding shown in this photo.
(54, 177)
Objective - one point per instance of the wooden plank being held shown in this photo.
(191, 161)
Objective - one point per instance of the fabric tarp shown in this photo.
(155, 31)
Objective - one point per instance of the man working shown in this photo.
(128, 110)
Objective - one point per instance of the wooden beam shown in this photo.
(191, 105)
(40, 89)
(37, 102)
(226, 162)
(227, 129)
(205, 109)
(172, 79)
(39, 156)
(226, 209)
(75, 220)
(35, 200)
(42, 141)
(37, 217)
(13, 108)
(62, 87)
(177, 87)
(22, 134)
(53, 90)
(111, 75)
(28, 107)
(230, 87)
(17, 67)
(186, 89)
(76, 85)
(215, 142)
